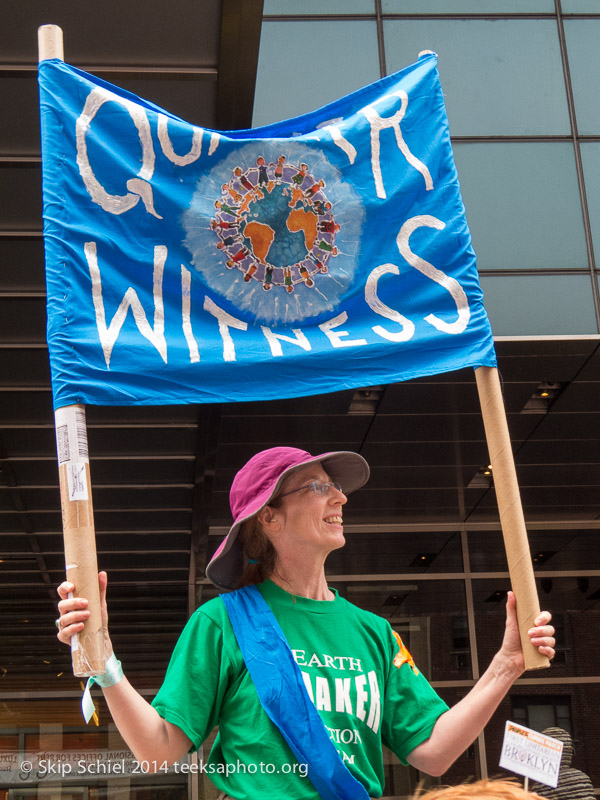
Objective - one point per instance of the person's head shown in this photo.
(306, 518)
(479, 790)
(282, 498)
(567, 742)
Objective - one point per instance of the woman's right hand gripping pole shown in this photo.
(74, 612)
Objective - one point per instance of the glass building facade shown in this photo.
(521, 82)
(521, 85)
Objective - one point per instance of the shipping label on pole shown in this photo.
(532, 754)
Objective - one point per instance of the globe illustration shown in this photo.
(273, 222)
(274, 233)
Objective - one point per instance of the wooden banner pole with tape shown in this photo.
(87, 647)
(511, 510)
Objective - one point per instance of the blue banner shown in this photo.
(186, 265)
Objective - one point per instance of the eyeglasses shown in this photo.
(318, 487)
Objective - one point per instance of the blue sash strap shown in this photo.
(283, 695)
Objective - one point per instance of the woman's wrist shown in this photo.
(506, 667)
(112, 675)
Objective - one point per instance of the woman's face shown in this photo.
(307, 520)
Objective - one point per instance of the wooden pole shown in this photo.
(87, 647)
(511, 511)
(50, 42)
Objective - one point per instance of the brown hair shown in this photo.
(258, 553)
(479, 790)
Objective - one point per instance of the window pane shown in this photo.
(20, 197)
(590, 156)
(575, 615)
(522, 204)
(319, 7)
(581, 6)
(550, 550)
(541, 712)
(371, 553)
(468, 6)
(542, 716)
(430, 616)
(500, 77)
(527, 305)
(584, 63)
(322, 72)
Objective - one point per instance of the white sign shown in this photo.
(530, 753)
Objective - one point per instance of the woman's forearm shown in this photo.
(150, 737)
(459, 727)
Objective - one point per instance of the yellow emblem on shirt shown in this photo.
(403, 656)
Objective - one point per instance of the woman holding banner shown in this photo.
(304, 686)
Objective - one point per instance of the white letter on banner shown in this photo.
(377, 125)
(335, 336)
(138, 187)
(385, 311)
(226, 321)
(186, 286)
(167, 146)
(344, 144)
(450, 284)
(108, 336)
(214, 142)
(273, 340)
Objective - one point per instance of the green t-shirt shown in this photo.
(355, 671)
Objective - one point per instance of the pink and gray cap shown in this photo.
(258, 482)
